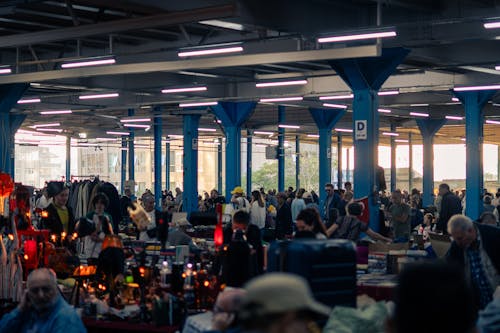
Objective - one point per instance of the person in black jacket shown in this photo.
(476, 248)
(58, 216)
(283, 217)
(450, 205)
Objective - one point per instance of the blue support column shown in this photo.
(157, 131)
(219, 167)
(281, 149)
(297, 161)
(232, 115)
(167, 164)
(473, 102)
(68, 158)
(123, 175)
(190, 163)
(393, 159)
(325, 119)
(249, 160)
(9, 124)
(410, 162)
(339, 161)
(428, 128)
(131, 151)
(365, 76)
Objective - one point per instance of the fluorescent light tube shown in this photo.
(455, 99)
(146, 107)
(105, 139)
(220, 50)
(492, 25)
(88, 63)
(280, 83)
(186, 105)
(281, 99)
(357, 37)
(495, 122)
(187, 89)
(384, 110)
(324, 98)
(223, 24)
(418, 114)
(135, 120)
(117, 133)
(390, 133)
(420, 104)
(136, 125)
(202, 129)
(346, 130)
(454, 118)
(58, 130)
(28, 101)
(313, 135)
(263, 133)
(288, 126)
(5, 70)
(46, 125)
(388, 92)
(96, 96)
(472, 88)
(56, 112)
(338, 106)
(401, 140)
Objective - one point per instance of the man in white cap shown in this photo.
(280, 302)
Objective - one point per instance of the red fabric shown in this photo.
(365, 215)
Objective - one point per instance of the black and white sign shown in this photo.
(360, 130)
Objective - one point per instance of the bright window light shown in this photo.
(96, 96)
(281, 99)
(281, 83)
(187, 105)
(187, 89)
(345, 38)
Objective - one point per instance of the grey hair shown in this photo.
(45, 272)
(459, 222)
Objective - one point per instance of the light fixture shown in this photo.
(358, 36)
(420, 104)
(324, 98)
(58, 130)
(263, 133)
(56, 112)
(388, 92)
(418, 114)
(384, 110)
(390, 133)
(455, 99)
(135, 125)
(105, 139)
(497, 67)
(492, 25)
(288, 126)
(29, 101)
(338, 106)
(472, 88)
(202, 129)
(141, 146)
(186, 89)
(86, 62)
(134, 120)
(187, 105)
(454, 118)
(211, 49)
(346, 130)
(5, 70)
(146, 107)
(312, 135)
(46, 125)
(82, 135)
(260, 145)
(495, 122)
(281, 99)
(117, 133)
(402, 140)
(96, 96)
(223, 24)
(280, 83)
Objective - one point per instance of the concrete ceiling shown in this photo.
(447, 41)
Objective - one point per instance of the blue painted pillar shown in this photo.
(297, 161)
(157, 132)
(68, 158)
(325, 119)
(131, 151)
(365, 76)
(219, 167)
(9, 124)
(281, 149)
(190, 163)
(123, 176)
(232, 115)
(428, 128)
(167, 164)
(473, 102)
(249, 160)
(393, 159)
(339, 161)
(410, 162)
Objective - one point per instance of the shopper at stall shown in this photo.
(226, 308)
(44, 199)
(298, 203)
(476, 248)
(157, 229)
(258, 210)
(238, 200)
(449, 205)
(280, 302)
(332, 202)
(309, 224)
(103, 225)
(400, 218)
(177, 234)
(58, 216)
(284, 223)
(42, 308)
(125, 202)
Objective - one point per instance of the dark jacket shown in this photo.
(450, 205)
(162, 220)
(254, 239)
(53, 222)
(283, 221)
(334, 204)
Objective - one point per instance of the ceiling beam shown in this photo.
(138, 23)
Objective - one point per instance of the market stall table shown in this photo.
(105, 326)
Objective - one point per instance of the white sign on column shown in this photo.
(360, 130)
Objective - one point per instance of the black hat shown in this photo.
(54, 188)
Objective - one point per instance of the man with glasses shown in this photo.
(42, 308)
(332, 202)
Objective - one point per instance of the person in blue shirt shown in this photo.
(42, 308)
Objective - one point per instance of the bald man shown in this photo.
(42, 308)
